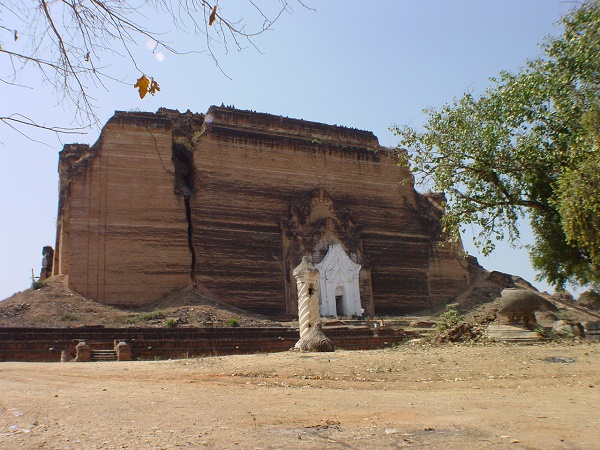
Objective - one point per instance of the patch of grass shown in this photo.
(400, 343)
(233, 322)
(541, 332)
(70, 317)
(157, 314)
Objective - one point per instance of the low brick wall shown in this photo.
(34, 344)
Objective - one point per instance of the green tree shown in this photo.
(527, 147)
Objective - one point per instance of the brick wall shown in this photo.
(33, 344)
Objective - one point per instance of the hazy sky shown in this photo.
(360, 64)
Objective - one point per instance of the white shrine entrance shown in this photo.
(338, 283)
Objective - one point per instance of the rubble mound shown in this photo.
(54, 305)
(590, 300)
(521, 306)
(462, 332)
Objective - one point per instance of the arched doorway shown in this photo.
(340, 306)
(338, 283)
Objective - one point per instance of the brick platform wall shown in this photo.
(34, 344)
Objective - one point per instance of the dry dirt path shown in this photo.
(533, 397)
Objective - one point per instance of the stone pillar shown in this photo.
(307, 277)
(309, 319)
(83, 352)
(47, 261)
(65, 356)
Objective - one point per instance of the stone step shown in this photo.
(511, 333)
(422, 332)
(103, 355)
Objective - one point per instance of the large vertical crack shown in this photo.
(185, 176)
(190, 230)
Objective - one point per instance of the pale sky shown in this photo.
(359, 64)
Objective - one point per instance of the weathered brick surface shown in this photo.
(253, 193)
(127, 231)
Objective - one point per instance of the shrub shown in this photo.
(153, 315)
(450, 318)
(233, 322)
(38, 284)
(171, 323)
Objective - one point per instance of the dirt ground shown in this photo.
(452, 396)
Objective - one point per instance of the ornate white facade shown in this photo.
(339, 284)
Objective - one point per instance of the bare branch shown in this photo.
(70, 43)
(14, 120)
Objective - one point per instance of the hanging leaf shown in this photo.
(213, 15)
(142, 85)
(154, 87)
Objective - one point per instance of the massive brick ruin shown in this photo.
(232, 200)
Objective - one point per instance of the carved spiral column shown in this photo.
(312, 338)
(308, 308)
(308, 295)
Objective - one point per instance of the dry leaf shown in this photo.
(213, 15)
(154, 87)
(142, 84)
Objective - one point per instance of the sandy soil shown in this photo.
(535, 397)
